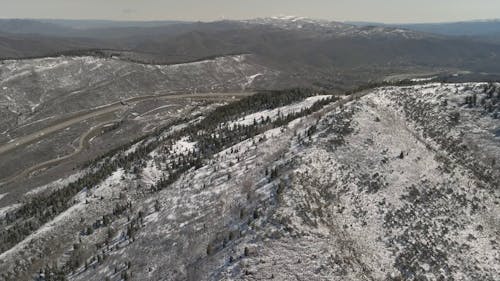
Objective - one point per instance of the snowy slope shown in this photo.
(273, 114)
(386, 185)
(34, 90)
(356, 210)
(352, 208)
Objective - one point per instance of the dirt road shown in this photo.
(83, 143)
(79, 117)
(85, 138)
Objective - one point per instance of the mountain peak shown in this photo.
(288, 18)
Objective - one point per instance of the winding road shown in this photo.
(79, 117)
(85, 138)
(83, 143)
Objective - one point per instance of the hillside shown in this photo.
(392, 183)
(33, 90)
(51, 108)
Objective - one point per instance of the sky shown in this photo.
(388, 11)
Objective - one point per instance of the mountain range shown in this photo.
(311, 49)
(463, 28)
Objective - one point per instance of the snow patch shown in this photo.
(183, 146)
(273, 114)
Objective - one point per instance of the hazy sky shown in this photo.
(356, 10)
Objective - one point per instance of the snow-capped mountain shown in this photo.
(336, 29)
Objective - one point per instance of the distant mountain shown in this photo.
(33, 45)
(95, 24)
(309, 50)
(90, 28)
(25, 26)
(337, 29)
(474, 28)
(301, 43)
(466, 28)
(81, 28)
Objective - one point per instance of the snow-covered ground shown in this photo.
(7, 209)
(424, 79)
(342, 214)
(273, 114)
(380, 188)
(33, 90)
(183, 146)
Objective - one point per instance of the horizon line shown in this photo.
(233, 19)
